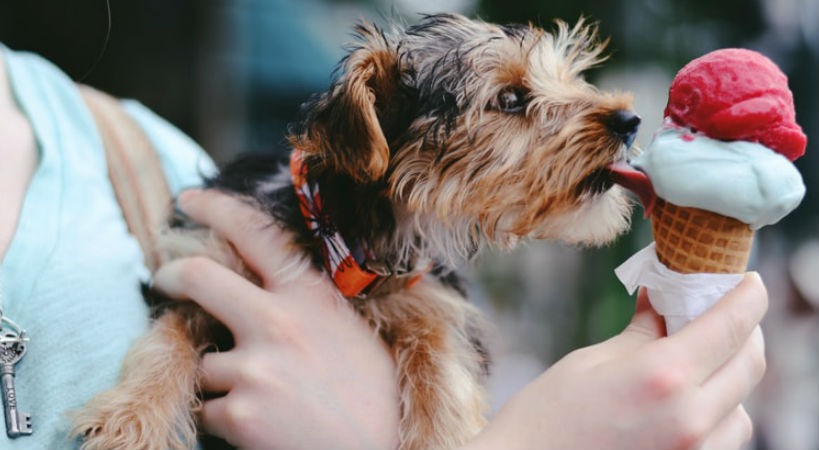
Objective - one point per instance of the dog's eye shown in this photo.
(512, 100)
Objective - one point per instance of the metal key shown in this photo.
(12, 349)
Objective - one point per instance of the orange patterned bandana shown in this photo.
(340, 262)
(345, 264)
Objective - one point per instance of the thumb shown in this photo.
(645, 322)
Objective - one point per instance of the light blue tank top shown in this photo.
(72, 272)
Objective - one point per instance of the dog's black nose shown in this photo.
(624, 125)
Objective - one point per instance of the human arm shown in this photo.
(636, 390)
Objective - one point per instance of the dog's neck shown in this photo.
(359, 264)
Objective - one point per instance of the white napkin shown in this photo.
(678, 297)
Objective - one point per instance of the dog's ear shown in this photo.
(343, 130)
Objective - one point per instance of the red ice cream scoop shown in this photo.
(737, 94)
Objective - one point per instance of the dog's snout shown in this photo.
(624, 125)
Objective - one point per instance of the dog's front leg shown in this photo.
(151, 408)
(441, 364)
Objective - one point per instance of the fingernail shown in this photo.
(755, 278)
(186, 196)
(180, 217)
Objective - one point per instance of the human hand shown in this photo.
(640, 390)
(306, 372)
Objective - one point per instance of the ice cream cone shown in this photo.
(727, 145)
(692, 240)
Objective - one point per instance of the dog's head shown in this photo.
(479, 132)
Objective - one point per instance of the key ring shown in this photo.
(18, 332)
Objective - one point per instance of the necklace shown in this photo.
(13, 339)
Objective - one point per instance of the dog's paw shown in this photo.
(152, 407)
(117, 420)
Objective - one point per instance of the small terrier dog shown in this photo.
(435, 141)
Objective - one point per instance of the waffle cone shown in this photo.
(692, 240)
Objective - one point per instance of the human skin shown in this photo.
(306, 373)
(642, 390)
(18, 160)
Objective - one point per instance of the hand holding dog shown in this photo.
(639, 390)
(306, 371)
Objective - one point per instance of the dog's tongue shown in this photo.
(636, 181)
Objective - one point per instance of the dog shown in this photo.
(435, 141)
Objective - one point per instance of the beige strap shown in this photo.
(135, 172)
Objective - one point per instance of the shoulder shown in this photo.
(185, 163)
(52, 100)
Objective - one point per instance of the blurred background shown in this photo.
(231, 73)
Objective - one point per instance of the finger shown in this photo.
(645, 326)
(218, 372)
(646, 322)
(232, 418)
(213, 418)
(265, 247)
(734, 381)
(733, 433)
(705, 344)
(230, 298)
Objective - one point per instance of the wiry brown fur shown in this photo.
(436, 140)
(145, 415)
(429, 330)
